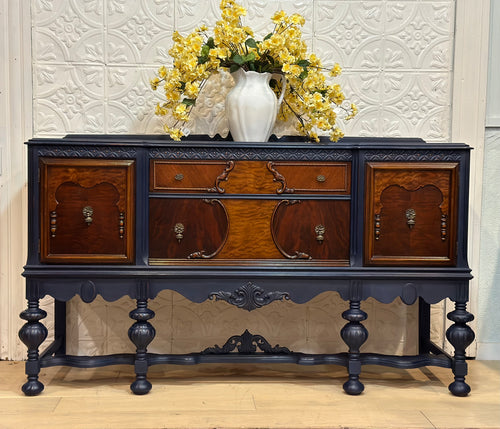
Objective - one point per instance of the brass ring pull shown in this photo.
(320, 178)
(179, 231)
(320, 233)
(88, 212)
(411, 215)
(179, 177)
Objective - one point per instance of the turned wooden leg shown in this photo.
(354, 335)
(141, 333)
(32, 334)
(460, 336)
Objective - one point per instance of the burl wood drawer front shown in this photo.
(411, 213)
(87, 210)
(189, 176)
(249, 229)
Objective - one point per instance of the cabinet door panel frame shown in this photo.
(411, 177)
(86, 174)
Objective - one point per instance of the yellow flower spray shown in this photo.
(309, 99)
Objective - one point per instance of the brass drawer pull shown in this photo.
(179, 231)
(320, 233)
(320, 178)
(88, 212)
(411, 215)
(179, 177)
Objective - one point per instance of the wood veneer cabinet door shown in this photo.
(411, 213)
(87, 210)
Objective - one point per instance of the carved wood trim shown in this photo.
(279, 178)
(201, 254)
(297, 253)
(246, 343)
(222, 178)
(249, 296)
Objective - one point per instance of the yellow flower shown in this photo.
(354, 111)
(160, 110)
(336, 70)
(154, 83)
(175, 133)
(192, 89)
(336, 134)
(279, 17)
(297, 19)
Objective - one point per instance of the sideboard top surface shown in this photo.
(285, 142)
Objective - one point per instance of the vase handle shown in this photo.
(283, 87)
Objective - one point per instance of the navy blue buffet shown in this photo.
(249, 224)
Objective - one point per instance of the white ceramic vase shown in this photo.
(252, 106)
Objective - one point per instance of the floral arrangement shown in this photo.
(309, 99)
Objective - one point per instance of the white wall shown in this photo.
(15, 128)
(408, 65)
(489, 273)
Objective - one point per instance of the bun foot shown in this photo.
(32, 388)
(459, 388)
(141, 387)
(353, 387)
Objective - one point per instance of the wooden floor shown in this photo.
(250, 396)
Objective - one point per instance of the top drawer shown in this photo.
(250, 177)
(317, 177)
(188, 176)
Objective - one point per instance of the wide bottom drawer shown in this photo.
(248, 229)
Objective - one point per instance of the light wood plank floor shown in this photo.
(250, 396)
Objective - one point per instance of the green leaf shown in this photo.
(210, 43)
(249, 57)
(189, 101)
(233, 68)
(304, 63)
(268, 36)
(251, 43)
(202, 60)
(205, 49)
(238, 59)
(303, 75)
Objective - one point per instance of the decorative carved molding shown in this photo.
(414, 155)
(249, 296)
(246, 343)
(87, 152)
(253, 154)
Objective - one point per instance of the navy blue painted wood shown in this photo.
(248, 286)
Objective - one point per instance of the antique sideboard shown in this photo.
(249, 224)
